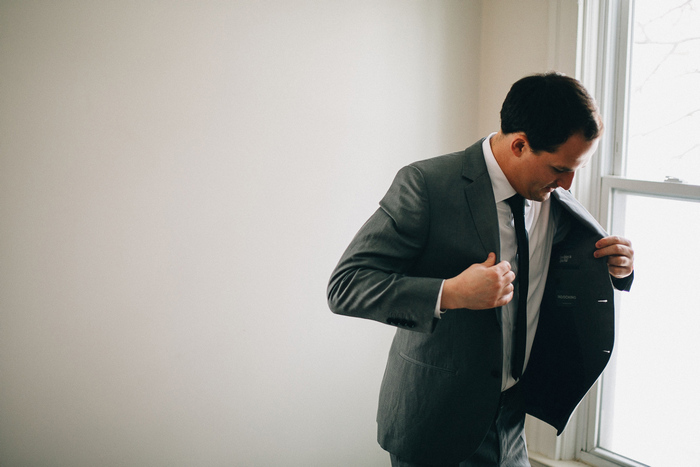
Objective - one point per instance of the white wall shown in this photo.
(521, 37)
(177, 181)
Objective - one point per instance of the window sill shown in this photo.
(538, 460)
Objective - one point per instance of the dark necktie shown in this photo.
(518, 361)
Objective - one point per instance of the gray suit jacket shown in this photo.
(442, 382)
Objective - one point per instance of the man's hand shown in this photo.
(480, 286)
(620, 255)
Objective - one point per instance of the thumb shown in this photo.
(490, 261)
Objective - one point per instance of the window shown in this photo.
(642, 58)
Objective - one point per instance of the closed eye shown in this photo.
(561, 170)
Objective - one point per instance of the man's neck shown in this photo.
(500, 146)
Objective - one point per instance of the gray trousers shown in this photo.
(504, 444)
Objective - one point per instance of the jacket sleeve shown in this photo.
(372, 279)
(624, 284)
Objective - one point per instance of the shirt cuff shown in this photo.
(438, 311)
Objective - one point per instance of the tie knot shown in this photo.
(517, 204)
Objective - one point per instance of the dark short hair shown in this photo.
(549, 108)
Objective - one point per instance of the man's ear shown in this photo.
(519, 144)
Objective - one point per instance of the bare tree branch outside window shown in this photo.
(664, 118)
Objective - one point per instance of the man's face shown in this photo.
(540, 173)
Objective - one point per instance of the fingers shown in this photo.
(612, 240)
(505, 299)
(506, 284)
(505, 296)
(505, 277)
(619, 261)
(620, 266)
(509, 290)
(613, 246)
(619, 253)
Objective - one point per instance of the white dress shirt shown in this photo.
(541, 236)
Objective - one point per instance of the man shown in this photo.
(477, 347)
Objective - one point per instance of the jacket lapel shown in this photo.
(568, 202)
(479, 194)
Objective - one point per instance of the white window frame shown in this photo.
(603, 48)
(603, 57)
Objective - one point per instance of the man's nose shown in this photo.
(566, 180)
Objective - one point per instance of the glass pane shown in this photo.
(664, 112)
(650, 408)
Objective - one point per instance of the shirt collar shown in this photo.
(502, 189)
